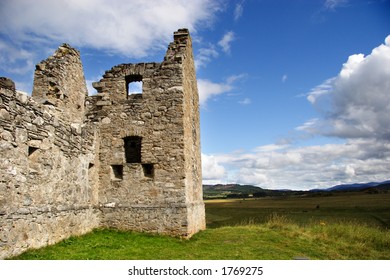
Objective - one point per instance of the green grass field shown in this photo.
(342, 227)
(362, 208)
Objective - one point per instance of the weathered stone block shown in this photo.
(4, 114)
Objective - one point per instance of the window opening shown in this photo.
(116, 172)
(31, 150)
(133, 84)
(133, 149)
(148, 169)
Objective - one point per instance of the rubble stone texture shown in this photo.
(70, 162)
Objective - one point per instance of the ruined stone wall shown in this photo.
(59, 80)
(45, 194)
(191, 119)
(70, 163)
(161, 191)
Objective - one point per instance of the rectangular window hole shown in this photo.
(133, 147)
(148, 169)
(32, 150)
(116, 172)
(134, 84)
(135, 88)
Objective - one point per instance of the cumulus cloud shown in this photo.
(225, 42)
(355, 104)
(211, 169)
(132, 28)
(282, 166)
(354, 107)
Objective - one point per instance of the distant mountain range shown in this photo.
(242, 191)
(351, 187)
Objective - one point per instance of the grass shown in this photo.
(251, 229)
(370, 209)
(277, 239)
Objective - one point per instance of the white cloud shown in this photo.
(208, 89)
(320, 90)
(204, 56)
(349, 170)
(270, 148)
(252, 177)
(14, 60)
(355, 104)
(308, 126)
(284, 78)
(282, 166)
(333, 4)
(245, 101)
(211, 169)
(225, 42)
(238, 11)
(132, 28)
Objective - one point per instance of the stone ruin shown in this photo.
(70, 162)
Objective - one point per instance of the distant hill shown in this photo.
(244, 191)
(355, 187)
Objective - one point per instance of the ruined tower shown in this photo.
(150, 172)
(72, 162)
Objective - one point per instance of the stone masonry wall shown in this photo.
(45, 193)
(161, 191)
(70, 163)
(191, 122)
(53, 83)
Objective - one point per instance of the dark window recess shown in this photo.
(31, 150)
(90, 165)
(133, 84)
(117, 172)
(133, 149)
(148, 170)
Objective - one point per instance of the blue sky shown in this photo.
(294, 94)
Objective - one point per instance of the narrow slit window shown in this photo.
(133, 149)
(148, 169)
(116, 172)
